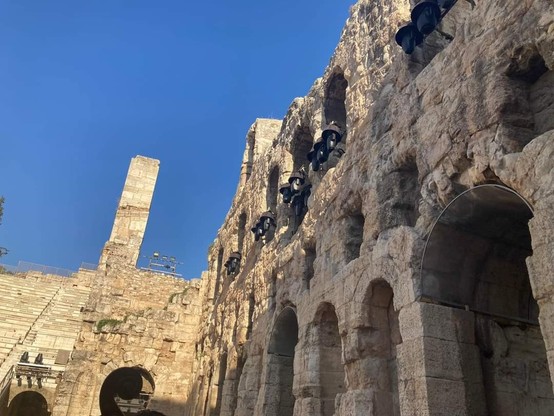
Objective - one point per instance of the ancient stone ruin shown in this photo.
(407, 268)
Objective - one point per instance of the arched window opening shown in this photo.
(273, 190)
(302, 143)
(251, 305)
(532, 107)
(354, 236)
(241, 232)
(380, 347)
(273, 292)
(309, 259)
(218, 274)
(125, 389)
(398, 196)
(206, 388)
(218, 387)
(28, 403)
(334, 107)
(331, 369)
(279, 399)
(235, 380)
(475, 258)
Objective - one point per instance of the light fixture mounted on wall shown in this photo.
(425, 16)
(266, 223)
(297, 192)
(330, 138)
(233, 263)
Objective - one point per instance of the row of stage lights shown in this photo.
(330, 138)
(296, 192)
(425, 17)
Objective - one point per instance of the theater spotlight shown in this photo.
(318, 155)
(296, 180)
(268, 221)
(425, 16)
(286, 191)
(300, 200)
(332, 135)
(257, 230)
(408, 37)
(233, 263)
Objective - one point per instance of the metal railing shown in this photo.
(5, 383)
(25, 266)
(6, 268)
(88, 266)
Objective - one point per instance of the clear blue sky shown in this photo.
(87, 85)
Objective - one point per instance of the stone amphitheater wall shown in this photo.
(457, 114)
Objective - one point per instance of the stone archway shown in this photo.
(329, 347)
(475, 259)
(217, 388)
(124, 390)
(28, 403)
(379, 346)
(279, 397)
(334, 107)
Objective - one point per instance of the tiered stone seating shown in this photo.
(38, 317)
(22, 303)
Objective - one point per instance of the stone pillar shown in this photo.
(439, 362)
(541, 273)
(132, 213)
(259, 137)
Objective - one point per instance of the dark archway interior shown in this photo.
(475, 254)
(334, 103)
(354, 235)
(236, 374)
(475, 258)
(219, 386)
(331, 369)
(309, 259)
(124, 390)
(218, 271)
(272, 190)
(207, 386)
(251, 305)
(28, 403)
(279, 397)
(398, 195)
(301, 145)
(285, 334)
(380, 347)
(240, 232)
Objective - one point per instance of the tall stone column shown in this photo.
(132, 214)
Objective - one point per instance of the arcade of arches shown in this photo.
(478, 332)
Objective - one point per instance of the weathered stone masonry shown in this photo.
(336, 315)
(419, 282)
(133, 318)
